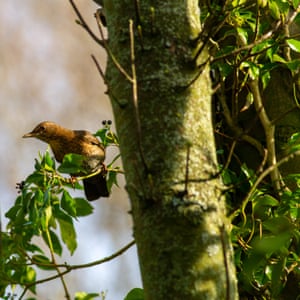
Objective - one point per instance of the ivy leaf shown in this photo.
(293, 144)
(107, 136)
(262, 206)
(112, 179)
(293, 65)
(294, 44)
(252, 68)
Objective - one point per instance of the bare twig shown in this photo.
(109, 53)
(99, 68)
(83, 23)
(69, 268)
(258, 181)
(135, 93)
(269, 130)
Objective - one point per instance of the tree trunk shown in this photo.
(164, 123)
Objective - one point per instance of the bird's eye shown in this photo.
(41, 129)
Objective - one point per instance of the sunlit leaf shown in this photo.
(86, 296)
(294, 44)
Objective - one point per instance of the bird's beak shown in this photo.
(29, 134)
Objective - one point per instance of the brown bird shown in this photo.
(64, 141)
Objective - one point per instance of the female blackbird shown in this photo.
(64, 141)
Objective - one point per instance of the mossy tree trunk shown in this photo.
(162, 108)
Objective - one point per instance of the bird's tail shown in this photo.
(95, 187)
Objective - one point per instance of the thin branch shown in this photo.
(61, 276)
(83, 23)
(269, 130)
(250, 46)
(135, 93)
(292, 17)
(262, 38)
(109, 53)
(104, 80)
(99, 68)
(258, 181)
(81, 266)
(238, 132)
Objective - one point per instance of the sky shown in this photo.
(47, 74)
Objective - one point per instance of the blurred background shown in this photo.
(47, 74)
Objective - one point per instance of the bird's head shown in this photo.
(44, 131)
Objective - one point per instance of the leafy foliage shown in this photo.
(249, 41)
(43, 215)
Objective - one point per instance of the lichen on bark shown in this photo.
(168, 152)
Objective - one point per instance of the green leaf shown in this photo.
(249, 173)
(101, 133)
(37, 178)
(293, 65)
(28, 277)
(72, 164)
(68, 204)
(274, 9)
(229, 177)
(295, 3)
(266, 200)
(265, 79)
(112, 179)
(45, 217)
(294, 44)
(67, 232)
(251, 68)
(277, 271)
(55, 243)
(277, 58)
(262, 206)
(267, 245)
(48, 162)
(107, 136)
(279, 225)
(83, 207)
(135, 294)
(293, 144)
(43, 262)
(85, 296)
(13, 212)
(243, 35)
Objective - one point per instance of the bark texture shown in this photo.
(168, 151)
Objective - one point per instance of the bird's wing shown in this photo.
(88, 138)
